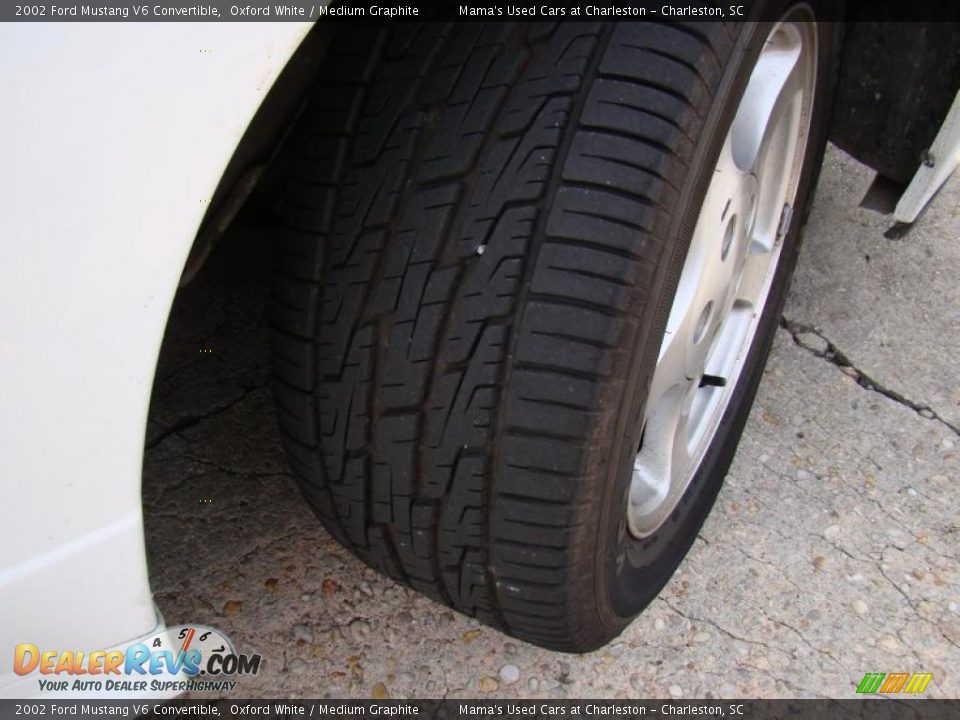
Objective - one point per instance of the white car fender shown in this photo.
(113, 138)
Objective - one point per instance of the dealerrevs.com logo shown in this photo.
(185, 658)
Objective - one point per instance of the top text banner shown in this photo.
(498, 709)
(418, 10)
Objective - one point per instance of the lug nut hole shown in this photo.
(728, 238)
(703, 322)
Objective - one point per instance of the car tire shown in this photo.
(484, 234)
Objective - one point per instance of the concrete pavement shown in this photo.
(832, 550)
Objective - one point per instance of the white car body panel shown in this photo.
(944, 159)
(113, 138)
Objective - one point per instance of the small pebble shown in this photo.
(470, 635)
(231, 608)
(701, 637)
(676, 691)
(860, 607)
(488, 684)
(898, 539)
(888, 642)
(297, 667)
(509, 674)
(328, 587)
(659, 624)
(202, 606)
(270, 584)
(927, 413)
(379, 692)
(360, 629)
(302, 632)
(533, 684)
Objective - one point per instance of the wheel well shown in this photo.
(897, 81)
(250, 162)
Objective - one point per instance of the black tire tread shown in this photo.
(440, 406)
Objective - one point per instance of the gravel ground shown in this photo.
(832, 550)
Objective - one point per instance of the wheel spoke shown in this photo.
(680, 452)
(652, 470)
(730, 341)
(671, 364)
(775, 83)
(658, 474)
(753, 277)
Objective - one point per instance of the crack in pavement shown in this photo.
(837, 357)
(776, 678)
(191, 419)
(724, 631)
(769, 647)
(921, 616)
(190, 455)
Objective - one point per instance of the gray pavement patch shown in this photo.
(893, 306)
(831, 551)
